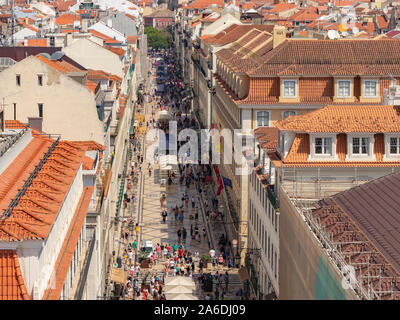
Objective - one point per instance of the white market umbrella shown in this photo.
(179, 281)
(181, 296)
(177, 289)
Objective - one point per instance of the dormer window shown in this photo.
(370, 88)
(394, 146)
(344, 88)
(361, 146)
(289, 88)
(323, 146)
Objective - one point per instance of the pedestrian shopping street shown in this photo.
(191, 206)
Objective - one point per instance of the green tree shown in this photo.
(157, 39)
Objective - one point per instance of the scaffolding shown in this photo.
(364, 270)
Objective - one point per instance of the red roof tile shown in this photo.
(12, 285)
(131, 39)
(118, 51)
(106, 39)
(67, 19)
(40, 42)
(345, 119)
(38, 207)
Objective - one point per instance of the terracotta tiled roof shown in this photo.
(87, 163)
(14, 124)
(329, 57)
(32, 28)
(40, 42)
(12, 285)
(267, 137)
(97, 75)
(280, 7)
(66, 254)
(131, 16)
(64, 5)
(89, 145)
(67, 19)
(106, 39)
(234, 32)
(69, 31)
(131, 39)
(382, 22)
(119, 51)
(38, 207)
(345, 119)
(164, 13)
(343, 3)
(203, 4)
(91, 85)
(65, 67)
(308, 14)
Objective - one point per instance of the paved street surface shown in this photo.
(146, 210)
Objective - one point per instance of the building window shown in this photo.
(289, 88)
(40, 109)
(262, 118)
(323, 146)
(272, 256)
(394, 145)
(360, 145)
(15, 111)
(40, 80)
(18, 80)
(344, 88)
(288, 113)
(370, 88)
(262, 234)
(273, 215)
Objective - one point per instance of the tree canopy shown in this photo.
(158, 39)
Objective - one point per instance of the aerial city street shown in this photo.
(199, 150)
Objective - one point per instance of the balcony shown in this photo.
(272, 197)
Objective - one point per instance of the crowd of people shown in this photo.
(176, 258)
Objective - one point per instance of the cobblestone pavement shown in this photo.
(152, 227)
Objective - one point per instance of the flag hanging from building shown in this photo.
(221, 186)
(227, 182)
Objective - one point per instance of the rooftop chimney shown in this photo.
(279, 35)
(109, 22)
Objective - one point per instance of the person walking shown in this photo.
(226, 278)
(220, 260)
(184, 234)
(179, 234)
(137, 270)
(193, 203)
